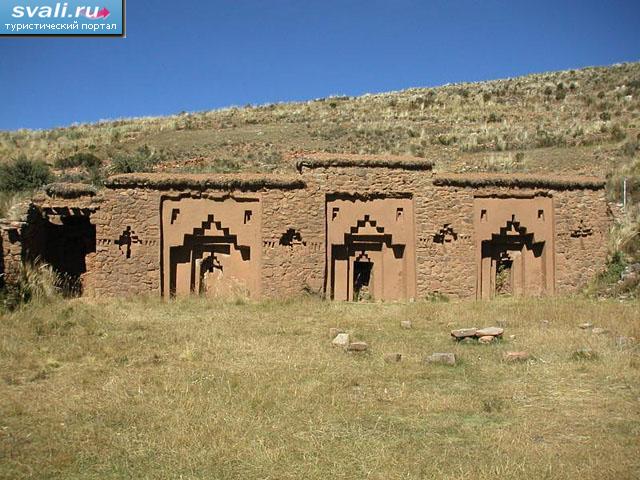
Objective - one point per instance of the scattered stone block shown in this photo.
(512, 337)
(393, 357)
(341, 340)
(334, 332)
(515, 356)
(585, 326)
(599, 331)
(486, 339)
(492, 331)
(441, 358)
(406, 324)
(357, 347)
(461, 333)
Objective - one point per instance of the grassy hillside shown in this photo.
(584, 121)
(194, 389)
(572, 122)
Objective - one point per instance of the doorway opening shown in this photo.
(361, 280)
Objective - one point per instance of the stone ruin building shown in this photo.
(349, 227)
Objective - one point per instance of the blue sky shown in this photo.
(198, 55)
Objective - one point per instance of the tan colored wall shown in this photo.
(112, 273)
(11, 251)
(212, 245)
(290, 233)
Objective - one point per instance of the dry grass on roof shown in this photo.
(203, 181)
(323, 160)
(69, 190)
(519, 181)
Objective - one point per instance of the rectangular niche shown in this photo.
(370, 248)
(211, 246)
(514, 246)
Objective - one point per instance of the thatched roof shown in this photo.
(70, 190)
(519, 181)
(203, 181)
(327, 160)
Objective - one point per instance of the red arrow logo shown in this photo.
(103, 13)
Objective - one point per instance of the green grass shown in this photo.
(199, 389)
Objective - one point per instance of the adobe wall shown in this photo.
(289, 253)
(10, 251)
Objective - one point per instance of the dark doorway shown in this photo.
(361, 280)
(62, 241)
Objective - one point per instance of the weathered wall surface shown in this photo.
(293, 229)
(11, 251)
(113, 273)
(583, 222)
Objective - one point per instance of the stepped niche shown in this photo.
(211, 246)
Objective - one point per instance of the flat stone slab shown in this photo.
(464, 333)
(515, 356)
(599, 331)
(334, 332)
(405, 324)
(341, 340)
(441, 358)
(585, 326)
(357, 346)
(490, 331)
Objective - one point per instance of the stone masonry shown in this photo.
(348, 227)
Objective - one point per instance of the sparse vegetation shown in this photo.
(23, 174)
(194, 389)
(577, 112)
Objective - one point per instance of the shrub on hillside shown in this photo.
(24, 174)
(81, 159)
(143, 160)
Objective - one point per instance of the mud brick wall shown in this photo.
(583, 222)
(127, 219)
(11, 251)
(113, 273)
(362, 183)
(293, 242)
(448, 266)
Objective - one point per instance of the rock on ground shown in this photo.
(341, 340)
(490, 331)
(441, 358)
(357, 346)
(334, 332)
(405, 324)
(463, 333)
(486, 339)
(393, 357)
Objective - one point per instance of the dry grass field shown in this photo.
(196, 389)
(575, 121)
